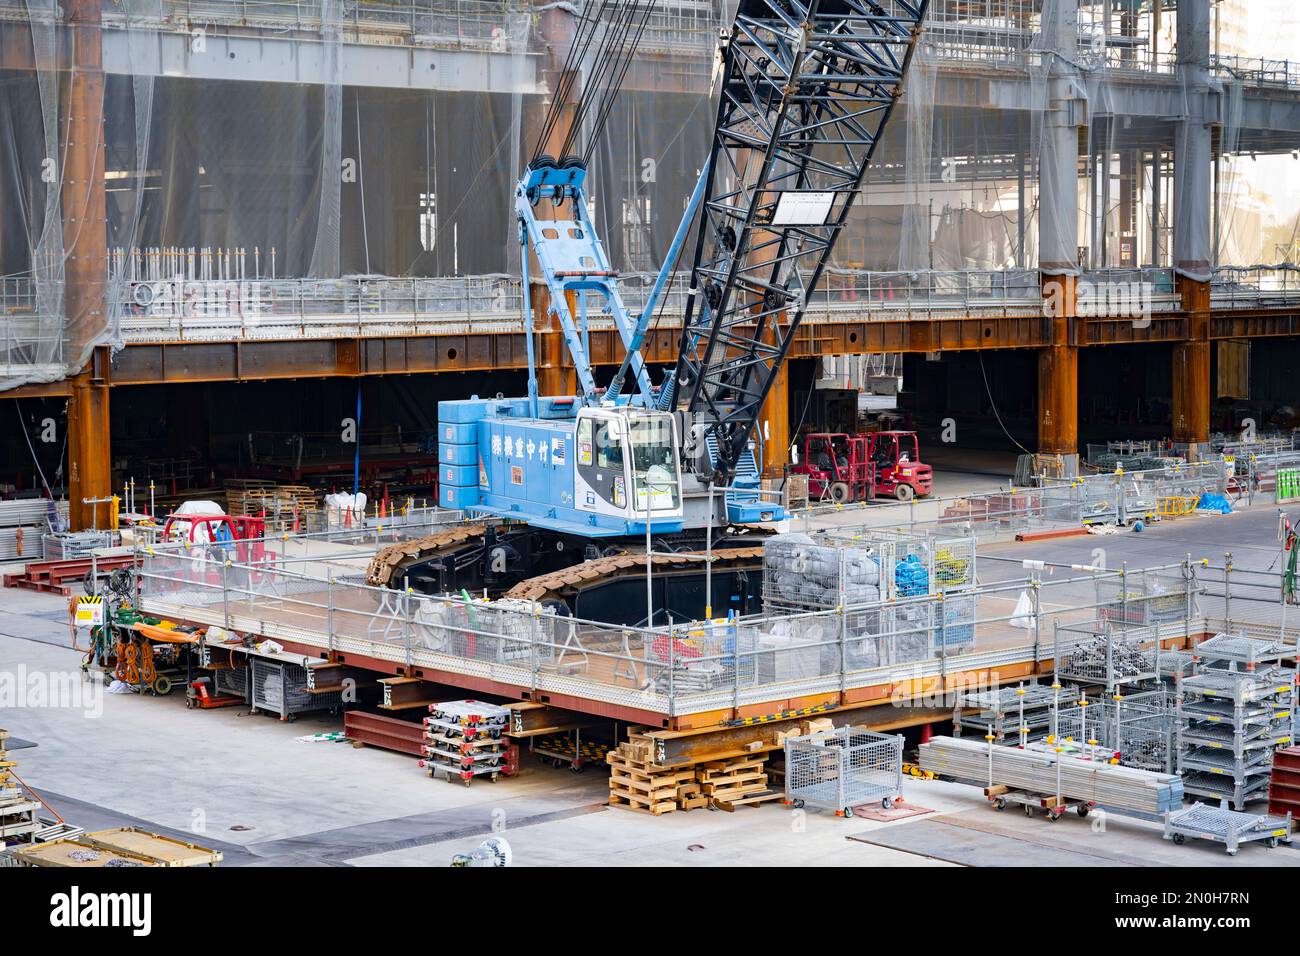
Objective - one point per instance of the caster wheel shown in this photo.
(887, 803)
(848, 812)
(1232, 853)
(469, 781)
(495, 777)
(797, 804)
(1029, 811)
(999, 805)
(1272, 843)
(189, 705)
(1082, 811)
(577, 767)
(1179, 839)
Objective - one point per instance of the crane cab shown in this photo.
(588, 470)
(627, 466)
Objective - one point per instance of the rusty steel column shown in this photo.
(1191, 379)
(555, 30)
(86, 269)
(774, 425)
(1058, 371)
(1194, 252)
(89, 463)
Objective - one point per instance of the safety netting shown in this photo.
(265, 141)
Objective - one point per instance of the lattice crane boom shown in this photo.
(808, 87)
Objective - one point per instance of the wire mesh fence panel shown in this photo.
(1137, 598)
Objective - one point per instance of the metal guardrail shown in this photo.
(682, 669)
(1059, 504)
(1250, 287)
(185, 309)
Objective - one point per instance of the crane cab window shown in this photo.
(654, 464)
(609, 446)
(600, 459)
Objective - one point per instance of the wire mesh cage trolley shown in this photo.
(842, 769)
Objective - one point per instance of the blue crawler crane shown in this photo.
(804, 89)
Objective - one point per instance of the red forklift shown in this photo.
(896, 466)
(837, 465)
(851, 468)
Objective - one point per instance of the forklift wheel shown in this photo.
(904, 492)
(840, 493)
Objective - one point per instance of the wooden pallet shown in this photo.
(639, 784)
(749, 800)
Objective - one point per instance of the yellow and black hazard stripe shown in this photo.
(783, 715)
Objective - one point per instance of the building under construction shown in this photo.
(517, 384)
(205, 202)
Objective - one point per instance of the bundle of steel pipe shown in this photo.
(1049, 772)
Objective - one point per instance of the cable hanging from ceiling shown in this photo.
(606, 39)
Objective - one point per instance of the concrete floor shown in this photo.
(246, 785)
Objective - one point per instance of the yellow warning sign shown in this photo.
(90, 611)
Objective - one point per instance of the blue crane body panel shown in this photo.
(528, 468)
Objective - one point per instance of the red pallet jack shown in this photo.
(199, 694)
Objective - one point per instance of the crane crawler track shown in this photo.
(560, 584)
(387, 564)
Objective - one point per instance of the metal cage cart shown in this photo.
(278, 685)
(1101, 652)
(1228, 827)
(1022, 713)
(1138, 598)
(841, 769)
(1232, 715)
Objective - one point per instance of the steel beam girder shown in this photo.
(807, 88)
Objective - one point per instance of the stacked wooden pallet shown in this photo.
(279, 503)
(241, 492)
(737, 782)
(636, 782)
(18, 822)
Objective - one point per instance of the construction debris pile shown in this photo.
(1045, 771)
